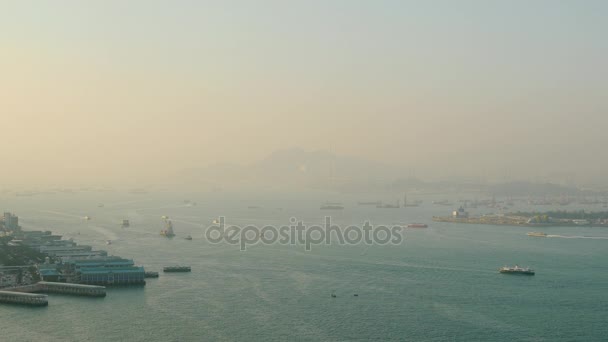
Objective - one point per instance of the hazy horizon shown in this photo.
(111, 92)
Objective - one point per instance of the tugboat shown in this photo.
(168, 231)
(516, 270)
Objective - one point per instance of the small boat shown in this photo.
(537, 234)
(216, 221)
(417, 225)
(356, 295)
(108, 242)
(516, 270)
(188, 237)
(87, 218)
(150, 274)
(333, 295)
(125, 223)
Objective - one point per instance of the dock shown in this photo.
(22, 298)
(72, 289)
(60, 288)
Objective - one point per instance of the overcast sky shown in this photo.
(115, 91)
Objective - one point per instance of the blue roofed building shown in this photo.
(105, 271)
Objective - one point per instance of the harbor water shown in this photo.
(440, 284)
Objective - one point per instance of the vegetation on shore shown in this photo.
(18, 255)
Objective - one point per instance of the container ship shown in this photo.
(516, 270)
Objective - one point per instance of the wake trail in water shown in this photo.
(578, 237)
(108, 234)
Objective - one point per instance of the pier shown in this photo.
(23, 298)
(60, 288)
(71, 289)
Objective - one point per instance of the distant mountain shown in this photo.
(297, 168)
(524, 188)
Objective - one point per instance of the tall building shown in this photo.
(11, 222)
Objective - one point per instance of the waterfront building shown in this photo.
(108, 270)
(112, 276)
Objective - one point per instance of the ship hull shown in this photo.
(517, 272)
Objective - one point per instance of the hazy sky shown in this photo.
(101, 91)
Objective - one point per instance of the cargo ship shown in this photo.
(537, 234)
(176, 269)
(417, 225)
(388, 206)
(332, 206)
(369, 203)
(516, 270)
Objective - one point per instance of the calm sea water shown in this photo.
(440, 284)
